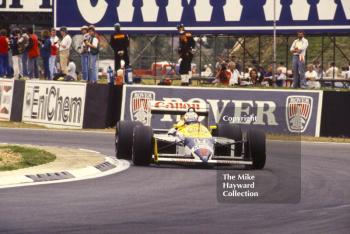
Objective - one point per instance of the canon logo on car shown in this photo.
(176, 105)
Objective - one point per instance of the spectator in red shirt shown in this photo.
(4, 51)
(33, 54)
(53, 53)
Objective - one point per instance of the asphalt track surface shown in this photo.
(175, 200)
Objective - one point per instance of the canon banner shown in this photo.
(275, 111)
(54, 104)
(6, 93)
(26, 5)
(205, 16)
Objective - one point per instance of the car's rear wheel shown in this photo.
(142, 148)
(124, 138)
(255, 148)
(232, 132)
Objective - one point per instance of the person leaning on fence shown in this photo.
(186, 51)
(298, 49)
(93, 50)
(64, 49)
(120, 43)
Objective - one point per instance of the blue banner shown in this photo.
(206, 16)
(275, 111)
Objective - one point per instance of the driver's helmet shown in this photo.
(191, 117)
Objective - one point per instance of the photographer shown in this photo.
(84, 53)
(93, 49)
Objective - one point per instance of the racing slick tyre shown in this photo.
(255, 148)
(142, 146)
(232, 132)
(124, 139)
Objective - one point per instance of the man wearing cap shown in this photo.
(84, 55)
(120, 43)
(65, 45)
(186, 51)
(298, 49)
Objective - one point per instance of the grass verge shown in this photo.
(14, 157)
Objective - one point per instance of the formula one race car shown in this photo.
(189, 141)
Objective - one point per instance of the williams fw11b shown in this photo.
(190, 141)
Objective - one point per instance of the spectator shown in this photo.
(282, 67)
(72, 74)
(186, 51)
(53, 53)
(280, 77)
(312, 77)
(23, 44)
(64, 49)
(33, 54)
(345, 72)
(235, 76)
(84, 54)
(223, 76)
(318, 69)
(16, 58)
(46, 52)
(93, 49)
(298, 49)
(120, 43)
(4, 51)
(254, 78)
(332, 71)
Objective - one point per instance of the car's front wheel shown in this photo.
(142, 146)
(255, 148)
(124, 139)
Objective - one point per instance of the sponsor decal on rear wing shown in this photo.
(178, 108)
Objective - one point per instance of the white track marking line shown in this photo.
(90, 151)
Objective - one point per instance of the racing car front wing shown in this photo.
(198, 161)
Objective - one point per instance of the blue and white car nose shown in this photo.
(203, 153)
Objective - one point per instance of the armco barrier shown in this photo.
(275, 111)
(336, 114)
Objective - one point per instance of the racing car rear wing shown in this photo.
(178, 108)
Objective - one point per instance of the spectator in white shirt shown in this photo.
(298, 49)
(280, 78)
(64, 49)
(235, 74)
(72, 74)
(332, 71)
(312, 77)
